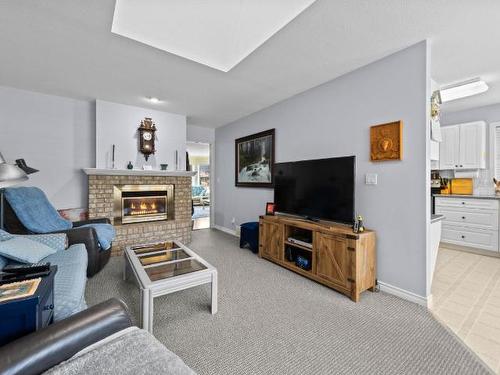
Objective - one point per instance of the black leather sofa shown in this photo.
(39, 351)
(97, 259)
(74, 346)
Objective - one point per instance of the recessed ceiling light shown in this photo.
(154, 100)
(463, 90)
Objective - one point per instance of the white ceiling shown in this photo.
(216, 33)
(66, 47)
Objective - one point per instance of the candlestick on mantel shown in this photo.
(113, 158)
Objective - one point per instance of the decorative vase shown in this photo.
(163, 167)
(130, 165)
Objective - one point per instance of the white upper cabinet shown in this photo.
(449, 149)
(473, 145)
(463, 146)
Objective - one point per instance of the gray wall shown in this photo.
(55, 135)
(489, 113)
(334, 119)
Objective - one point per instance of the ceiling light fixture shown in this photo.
(154, 100)
(463, 90)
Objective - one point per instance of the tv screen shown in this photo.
(317, 189)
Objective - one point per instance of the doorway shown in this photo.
(199, 162)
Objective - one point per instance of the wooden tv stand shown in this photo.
(340, 259)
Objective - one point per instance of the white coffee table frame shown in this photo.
(151, 289)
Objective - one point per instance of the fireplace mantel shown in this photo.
(135, 172)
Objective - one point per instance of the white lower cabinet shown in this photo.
(480, 239)
(471, 222)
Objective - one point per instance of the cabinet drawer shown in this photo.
(481, 239)
(489, 204)
(485, 219)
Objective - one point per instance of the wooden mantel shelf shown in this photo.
(135, 172)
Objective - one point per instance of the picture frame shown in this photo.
(254, 160)
(386, 141)
(270, 208)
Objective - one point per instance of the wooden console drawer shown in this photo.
(466, 236)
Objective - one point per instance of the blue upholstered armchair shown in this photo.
(85, 232)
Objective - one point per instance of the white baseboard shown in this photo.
(402, 293)
(226, 230)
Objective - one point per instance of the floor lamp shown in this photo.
(10, 174)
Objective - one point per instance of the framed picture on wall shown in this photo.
(254, 160)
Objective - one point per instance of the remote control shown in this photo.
(27, 269)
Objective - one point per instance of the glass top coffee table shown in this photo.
(163, 268)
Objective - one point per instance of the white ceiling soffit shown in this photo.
(216, 33)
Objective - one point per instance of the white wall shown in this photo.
(55, 135)
(334, 119)
(117, 124)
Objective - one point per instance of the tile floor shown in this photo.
(466, 296)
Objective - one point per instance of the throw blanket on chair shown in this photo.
(35, 212)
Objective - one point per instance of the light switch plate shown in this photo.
(371, 179)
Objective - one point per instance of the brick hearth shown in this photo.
(101, 205)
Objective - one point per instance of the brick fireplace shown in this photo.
(144, 206)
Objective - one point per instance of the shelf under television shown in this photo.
(298, 246)
(294, 267)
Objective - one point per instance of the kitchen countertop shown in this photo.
(436, 218)
(475, 196)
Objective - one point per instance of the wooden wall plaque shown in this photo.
(386, 141)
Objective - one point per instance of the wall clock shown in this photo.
(147, 137)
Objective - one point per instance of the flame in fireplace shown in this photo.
(146, 206)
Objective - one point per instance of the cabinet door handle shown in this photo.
(463, 217)
(463, 202)
(463, 236)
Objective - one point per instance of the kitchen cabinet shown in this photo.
(449, 149)
(469, 222)
(463, 146)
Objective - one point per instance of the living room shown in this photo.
(125, 127)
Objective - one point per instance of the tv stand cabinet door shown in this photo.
(333, 260)
(271, 240)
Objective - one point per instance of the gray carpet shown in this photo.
(272, 321)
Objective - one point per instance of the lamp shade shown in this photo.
(10, 174)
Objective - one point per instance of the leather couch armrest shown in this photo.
(88, 237)
(102, 220)
(42, 350)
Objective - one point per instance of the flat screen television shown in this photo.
(316, 189)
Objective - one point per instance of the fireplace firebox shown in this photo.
(143, 203)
